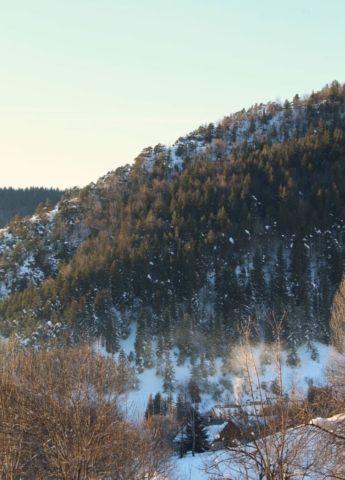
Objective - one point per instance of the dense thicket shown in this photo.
(62, 417)
(237, 219)
(24, 201)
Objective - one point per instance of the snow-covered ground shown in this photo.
(309, 452)
(295, 380)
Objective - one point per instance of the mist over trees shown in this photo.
(278, 435)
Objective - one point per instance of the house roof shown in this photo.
(309, 452)
(229, 411)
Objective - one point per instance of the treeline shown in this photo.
(24, 201)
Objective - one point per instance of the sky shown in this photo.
(85, 85)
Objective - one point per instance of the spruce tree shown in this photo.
(196, 439)
(149, 408)
(123, 365)
(193, 388)
(252, 125)
(160, 351)
(279, 293)
(143, 349)
(180, 408)
(169, 375)
(159, 404)
(257, 286)
(111, 333)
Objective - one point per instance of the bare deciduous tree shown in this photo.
(337, 322)
(274, 451)
(62, 417)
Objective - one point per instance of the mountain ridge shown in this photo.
(234, 220)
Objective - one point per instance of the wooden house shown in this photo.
(238, 430)
(219, 414)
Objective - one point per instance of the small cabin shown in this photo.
(220, 414)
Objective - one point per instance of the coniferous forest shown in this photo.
(24, 201)
(237, 219)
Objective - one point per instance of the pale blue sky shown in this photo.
(87, 84)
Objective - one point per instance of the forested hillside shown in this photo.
(24, 201)
(237, 219)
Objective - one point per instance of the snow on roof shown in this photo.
(233, 410)
(223, 411)
(302, 455)
(330, 423)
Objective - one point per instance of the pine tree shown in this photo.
(252, 125)
(144, 357)
(48, 205)
(279, 293)
(111, 333)
(196, 439)
(296, 100)
(264, 118)
(159, 404)
(167, 327)
(160, 351)
(123, 365)
(150, 407)
(181, 410)
(169, 375)
(193, 388)
(257, 281)
(127, 375)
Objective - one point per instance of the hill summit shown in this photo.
(236, 219)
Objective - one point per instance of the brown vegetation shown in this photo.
(62, 417)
